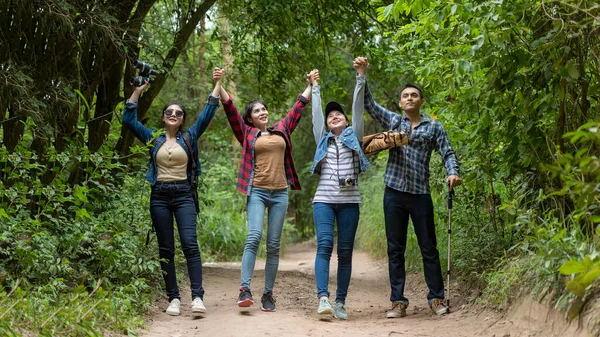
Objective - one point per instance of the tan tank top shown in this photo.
(172, 163)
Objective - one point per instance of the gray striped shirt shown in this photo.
(329, 190)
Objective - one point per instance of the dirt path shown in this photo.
(367, 301)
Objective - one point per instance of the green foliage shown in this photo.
(56, 309)
(504, 283)
(586, 271)
(59, 244)
(514, 83)
(580, 174)
(554, 241)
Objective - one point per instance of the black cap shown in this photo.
(333, 105)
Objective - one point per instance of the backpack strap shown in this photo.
(193, 176)
(187, 139)
(152, 146)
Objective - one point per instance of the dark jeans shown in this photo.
(397, 207)
(168, 199)
(346, 216)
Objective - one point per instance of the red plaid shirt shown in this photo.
(247, 136)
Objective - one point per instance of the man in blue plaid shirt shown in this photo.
(407, 189)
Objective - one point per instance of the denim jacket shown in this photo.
(144, 134)
(350, 136)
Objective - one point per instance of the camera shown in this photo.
(144, 76)
(347, 182)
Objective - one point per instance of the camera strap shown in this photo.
(337, 152)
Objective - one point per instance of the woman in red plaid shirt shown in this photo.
(266, 171)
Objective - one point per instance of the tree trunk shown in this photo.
(585, 84)
(16, 124)
(562, 116)
(201, 59)
(228, 66)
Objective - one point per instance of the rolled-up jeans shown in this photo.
(325, 216)
(258, 201)
(170, 199)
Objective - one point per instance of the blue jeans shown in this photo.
(168, 199)
(346, 216)
(397, 207)
(277, 203)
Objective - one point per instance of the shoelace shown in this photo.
(269, 297)
(245, 292)
(437, 304)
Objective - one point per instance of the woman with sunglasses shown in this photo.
(266, 171)
(338, 161)
(170, 171)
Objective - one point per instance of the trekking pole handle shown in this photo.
(450, 196)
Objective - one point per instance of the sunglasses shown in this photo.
(170, 112)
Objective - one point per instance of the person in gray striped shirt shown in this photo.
(407, 189)
(338, 161)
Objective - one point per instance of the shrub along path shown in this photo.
(367, 302)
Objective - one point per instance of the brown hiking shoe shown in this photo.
(398, 310)
(438, 307)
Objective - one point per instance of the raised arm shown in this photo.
(222, 92)
(358, 103)
(318, 120)
(234, 118)
(383, 116)
(130, 120)
(307, 91)
(218, 78)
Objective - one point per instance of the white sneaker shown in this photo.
(324, 307)
(340, 311)
(198, 306)
(173, 308)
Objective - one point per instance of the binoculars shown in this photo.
(144, 75)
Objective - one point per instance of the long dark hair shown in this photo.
(248, 110)
(182, 109)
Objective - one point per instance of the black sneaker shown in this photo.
(267, 302)
(245, 299)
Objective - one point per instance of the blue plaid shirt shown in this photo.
(408, 166)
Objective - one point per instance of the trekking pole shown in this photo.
(450, 196)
